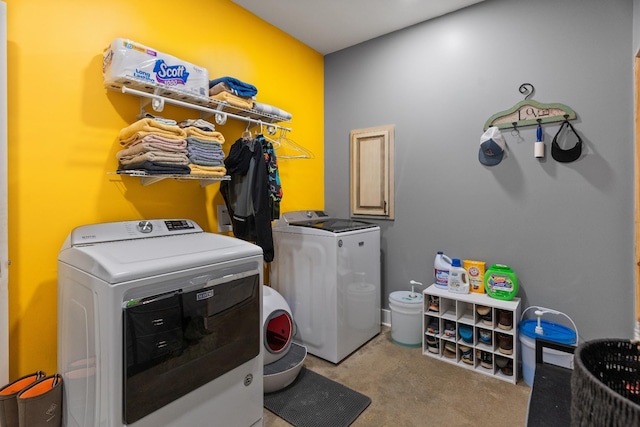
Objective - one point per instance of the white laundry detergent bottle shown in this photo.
(458, 278)
(441, 267)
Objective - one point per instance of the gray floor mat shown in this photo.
(314, 400)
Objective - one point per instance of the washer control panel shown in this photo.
(128, 230)
(304, 216)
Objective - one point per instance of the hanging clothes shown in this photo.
(275, 188)
(247, 194)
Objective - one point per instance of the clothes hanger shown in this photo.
(270, 131)
(246, 135)
(286, 145)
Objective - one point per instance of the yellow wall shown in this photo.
(63, 126)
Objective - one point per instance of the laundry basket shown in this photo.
(605, 384)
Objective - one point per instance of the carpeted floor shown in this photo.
(408, 389)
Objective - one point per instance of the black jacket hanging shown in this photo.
(246, 195)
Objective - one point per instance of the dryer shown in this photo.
(328, 271)
(159, 324)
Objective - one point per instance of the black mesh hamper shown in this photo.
(605, 384)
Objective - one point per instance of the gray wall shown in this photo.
(566, 229)
(636, 26)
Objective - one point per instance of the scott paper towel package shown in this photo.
(126, 62)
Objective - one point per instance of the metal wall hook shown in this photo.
(515, 131)
(527, 89)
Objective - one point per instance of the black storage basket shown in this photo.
(605, 384)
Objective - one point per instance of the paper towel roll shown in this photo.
(538, 149)
(128, 62)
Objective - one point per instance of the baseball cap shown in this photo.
(492, 146)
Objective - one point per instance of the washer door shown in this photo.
(178, 341)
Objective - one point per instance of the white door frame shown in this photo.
(4, 256)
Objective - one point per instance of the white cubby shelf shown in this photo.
(461, 310)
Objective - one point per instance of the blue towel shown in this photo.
(237, 87)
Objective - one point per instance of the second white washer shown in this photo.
(328, 271)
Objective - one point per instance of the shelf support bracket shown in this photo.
(150, 180)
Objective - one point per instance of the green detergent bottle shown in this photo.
(501, 282)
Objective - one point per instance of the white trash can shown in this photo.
(406, 318)
(530, 329)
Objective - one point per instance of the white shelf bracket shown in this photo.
(148, 180)
(157, 104)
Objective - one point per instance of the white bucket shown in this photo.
(551, 332)
(406, 318)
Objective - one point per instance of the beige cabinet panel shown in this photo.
(372, 172)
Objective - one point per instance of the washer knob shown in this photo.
(309, 214)
(145, 227)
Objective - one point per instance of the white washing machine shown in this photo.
(328, 271)
(159, 324)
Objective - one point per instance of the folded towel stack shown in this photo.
(235, 86)
(222, 92)
(133, 133)
(241, 94)
(153, 146)
(204, 148)
(158, 146)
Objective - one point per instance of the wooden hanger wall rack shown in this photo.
(530, 112)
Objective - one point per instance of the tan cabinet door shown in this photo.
(372, 172)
